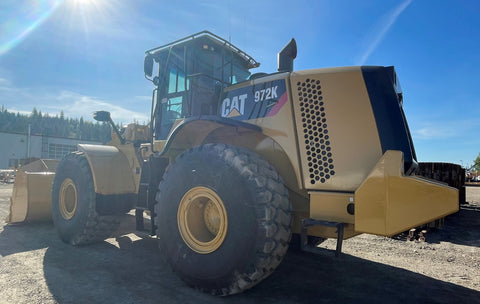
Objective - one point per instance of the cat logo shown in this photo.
(234, 106)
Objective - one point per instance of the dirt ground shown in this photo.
(36, 267)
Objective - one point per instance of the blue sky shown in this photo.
(79, 56)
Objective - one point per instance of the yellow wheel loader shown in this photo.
(234, 163)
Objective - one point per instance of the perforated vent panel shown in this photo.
(315, 131)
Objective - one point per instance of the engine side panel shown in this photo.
(338, 136)
(267, 102)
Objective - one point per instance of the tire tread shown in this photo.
(273, 212)
(96, 228)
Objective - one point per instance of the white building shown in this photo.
(17, 146)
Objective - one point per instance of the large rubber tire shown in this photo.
(73, 203)
(245, 200)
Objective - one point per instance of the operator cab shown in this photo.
(191, 75)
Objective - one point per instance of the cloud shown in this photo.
(434, 131)
(382, 28)
(4, 83)
(73, 104)
(80, 105)
(442, 130)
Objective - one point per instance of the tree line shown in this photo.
(55, 126)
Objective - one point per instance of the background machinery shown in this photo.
(233, 163)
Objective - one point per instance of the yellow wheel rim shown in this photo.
(202, 220)
(68, 199)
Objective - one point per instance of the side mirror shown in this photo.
(148, 65)
(102, 116)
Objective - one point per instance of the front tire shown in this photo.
(223, 218)
(74, 201)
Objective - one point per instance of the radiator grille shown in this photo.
(315, 131)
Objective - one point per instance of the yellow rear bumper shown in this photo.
(388, 202)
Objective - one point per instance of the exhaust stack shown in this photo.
(286, 57)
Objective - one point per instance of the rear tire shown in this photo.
(223, 218)
(74, 201)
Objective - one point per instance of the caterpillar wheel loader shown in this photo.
(234, 163)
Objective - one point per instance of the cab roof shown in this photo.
(207, 39)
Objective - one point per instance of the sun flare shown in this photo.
(89, 15)
(86, 4)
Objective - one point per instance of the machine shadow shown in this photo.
(323, 278)
(461, 228)
(16, 238)
(135, 272)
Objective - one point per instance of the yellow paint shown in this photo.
(350, 123)
(32, 192)
(113, 170)
(202, 220)
(68, 199)
(280, 147)
(332, 207)
(388, 202)
(234, 113)
(331, 232)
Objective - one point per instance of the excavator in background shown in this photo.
(233, 164)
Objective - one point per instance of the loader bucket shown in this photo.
(32, 191)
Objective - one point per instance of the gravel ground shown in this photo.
(36, 267)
